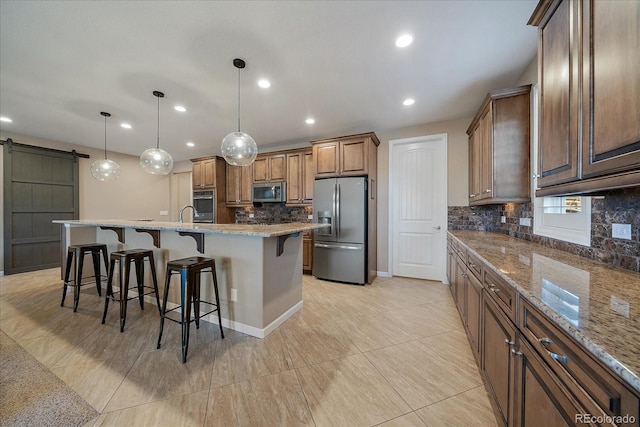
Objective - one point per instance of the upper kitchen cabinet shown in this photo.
(589, 110)
(499, 148)
(270, 168)
(300, 176)
(239, 184)
(345, 156)
(208, 172)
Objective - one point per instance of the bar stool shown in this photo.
(125, 258)
(190, 270)
(79, 252)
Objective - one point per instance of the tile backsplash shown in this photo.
(273, 213)
(619, 206)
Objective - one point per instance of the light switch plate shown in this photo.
(234, 294)
(621, 231)
(251, 215)
(503, 219)
(309, 216)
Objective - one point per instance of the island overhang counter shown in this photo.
(259, 267)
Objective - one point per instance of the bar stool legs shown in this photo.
(190, 270)
(79, 252)
(125, 258)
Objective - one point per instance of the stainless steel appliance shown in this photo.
(205, 204)
(271, 192)
(340, 251)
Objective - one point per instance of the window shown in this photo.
(565, 218)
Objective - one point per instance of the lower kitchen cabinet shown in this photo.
(307, 252)
(540, 399)
(498, 340)
(473, 319)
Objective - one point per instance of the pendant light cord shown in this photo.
(105, 137)
(238, 99)
(158, 127)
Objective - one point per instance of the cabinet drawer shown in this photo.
(501, 292)
(474, 264)
(592, 384)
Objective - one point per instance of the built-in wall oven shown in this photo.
(205, 204)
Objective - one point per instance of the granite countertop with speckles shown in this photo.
(272, 230)
(596, 304)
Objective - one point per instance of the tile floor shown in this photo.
(392, 354)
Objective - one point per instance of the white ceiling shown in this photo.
(62, 62)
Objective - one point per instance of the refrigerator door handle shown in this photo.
(337, 216)
(326, 246)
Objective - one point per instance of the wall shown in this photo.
(135, 195)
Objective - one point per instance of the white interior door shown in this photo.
(418, 206)
(181, 195)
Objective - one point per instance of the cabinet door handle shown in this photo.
(493, 288)
(516, 353)
(472, 265)
(509, 343)
(558, 357)
(487, 191)
(472, 195)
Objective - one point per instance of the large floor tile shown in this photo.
(425, 320)
(349, 392)
(318, 343)
(273, 400)
(186, 410)
(244, 358)
(409, 420)
(418, 376)
(159, 374)
(471, 408)
(372, 331)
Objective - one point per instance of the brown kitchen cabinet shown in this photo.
(589, 110)
(300, 177)
(307, 252)
(270, 168)
(499, 148)
(498, 362)
(207, 172)
(239, 186)
(345, 156)
(473, 312)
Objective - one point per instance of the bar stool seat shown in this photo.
(190, 270)
(125, 258)
(78, 252)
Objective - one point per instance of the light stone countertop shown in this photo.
(597, 305)
(271, 230)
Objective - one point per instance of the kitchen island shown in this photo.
(259, 267)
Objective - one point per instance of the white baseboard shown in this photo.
(241, 327)
(384, 274)
(2, 273)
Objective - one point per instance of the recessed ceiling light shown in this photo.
(180, 108)
(190, 144)
(5, 119)
(264, 83)
(404, 41)
(125, 125)
(310, 121)
(408, 101)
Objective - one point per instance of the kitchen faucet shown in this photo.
(195, 212)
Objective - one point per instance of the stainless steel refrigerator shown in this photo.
(340, 251)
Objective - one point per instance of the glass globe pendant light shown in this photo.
(156, 161)
(238, 148)
(105, 169)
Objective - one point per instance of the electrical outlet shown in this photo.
(525, 221)
(621, 231)
(234, 294)
(309, 216)
(251, 215)
(164, 213)
(503, 219)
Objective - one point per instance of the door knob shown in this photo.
(437, 227)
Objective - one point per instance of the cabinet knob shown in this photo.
(487, 191)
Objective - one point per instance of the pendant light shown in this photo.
(156, 161)
(238, 148)
(105, 169)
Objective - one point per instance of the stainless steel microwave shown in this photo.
(271, 192)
